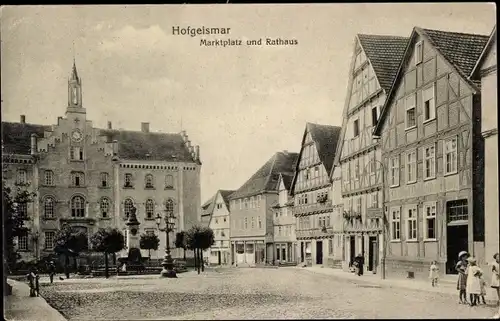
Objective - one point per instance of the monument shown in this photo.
(134, 260)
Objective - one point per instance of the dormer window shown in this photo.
(128, 180)
(149, 181)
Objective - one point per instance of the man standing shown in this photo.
(359, 260)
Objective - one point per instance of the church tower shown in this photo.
(75, 92)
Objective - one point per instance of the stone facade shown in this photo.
(89, 177)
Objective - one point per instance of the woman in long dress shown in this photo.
(495, 278)
(474, 274)
(461, 268)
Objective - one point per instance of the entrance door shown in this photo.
(352, 249)
(456, 241)
(319, 252)
(219, 258)
(372, 253)
(302, 257)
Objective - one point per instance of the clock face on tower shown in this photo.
(76, 135)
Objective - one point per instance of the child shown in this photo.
(461, 268)
(434, 273)
(474, 275)
(483, 289)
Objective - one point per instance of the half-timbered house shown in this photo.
(311, 189)
(432, 145)
(373, 67)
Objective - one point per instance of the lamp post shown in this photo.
(168, 264)
(384, 233)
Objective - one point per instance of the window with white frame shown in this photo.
(150, 208)
(394, 171)
(411, 113)
(450, 156)
(104, 206)
(395, 224)
(419, 52)
(128, 205)
(169, 206)
(22, 177)
(49, 240)
(411, 167)
(49, 178)
(429, 162)
(430, 221)
(78, 206)
(411, 223)
(49, 207)
(429, 103)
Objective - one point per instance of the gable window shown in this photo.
(374, 115)
(76, 153)
(411, 167)
(104, 179)
(49, 240)
(128, 205)
(430, 221)
(450, 156)
(419, 52)
(169, 181)
(395, 224)
(104, 206)
(128, 180)
(394, 171)
(150, 207)
(429, 103)
(49, 207)
(410, 119)
(169, 206)
(77, 179)
(148, 180)
(22, 177)
(429, 162)
(356, 128)
(22, 241)
(78, 206)
(49, 178)
(411, 220)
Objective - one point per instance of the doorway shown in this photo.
(352, 249)
(457, 240)
(319, 252)
(302, 257)
(372, 253)
(219, 257)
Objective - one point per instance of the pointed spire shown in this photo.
(74, 72)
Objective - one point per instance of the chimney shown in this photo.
(197, 152)
(145, 127)
(33, 144)
(109, 125)
(23, 119)
(115, 147)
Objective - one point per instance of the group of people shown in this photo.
(471, 278)
(33, 278)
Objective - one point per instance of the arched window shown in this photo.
(169, 181)
(128, 205)
(104, 207)
(169, 206)
(78, 206)
(49, 178)
(149, 181)
(104, 179)
(78, 179)
(150, 208)
(49, 207)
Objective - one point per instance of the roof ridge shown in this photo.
(138, 131)
(455, 32)
(379, 35)
(271, 168)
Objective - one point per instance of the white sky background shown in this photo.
(240, 104)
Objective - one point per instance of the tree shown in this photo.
(149, 242)
(70, 243)
(180, 242)
(199, 239)
(109, 240)
(207, 239)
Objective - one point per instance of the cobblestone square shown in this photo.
(247, 293)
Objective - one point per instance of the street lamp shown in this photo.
(382, 261)
(168, 264)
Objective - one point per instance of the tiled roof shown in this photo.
(160, 146)
(385, 54)
(16, 137)
(225, 195)
(208, 207)
(287, 180)
(462, 50)
(266, 177)
(326, 138)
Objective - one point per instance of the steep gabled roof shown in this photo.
(384, 53)
(225, 196)
(325, 138)
(287, 180)
(460, 50)
(486, 49)
(266, 178)
(160, 146)
(207, 209)
(16, 137)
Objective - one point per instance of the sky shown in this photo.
(240, 104)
